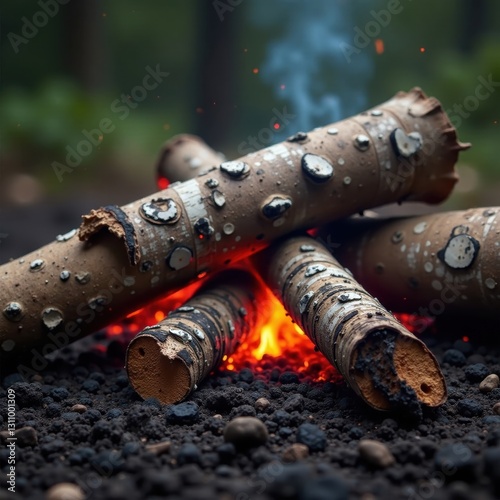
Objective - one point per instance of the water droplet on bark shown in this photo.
(67, 236)
(276, 207)
(406, 145)
(37, 265)
(218, 198)
(160, 211)
(64, 275)
(298, 137)
(179, 257)
(13, 311)
(316, 168)
(83, 277)
(460, 251)
(203, 228)
(52, 317)
(235, 169)
(362, 142)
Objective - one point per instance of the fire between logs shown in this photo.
(380, 342)
(125, 257)
(168, 360)
(379, 358)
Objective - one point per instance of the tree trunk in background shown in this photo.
(474, 15)
(85, 50)
(216, 72)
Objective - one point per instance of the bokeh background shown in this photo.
(235, 69)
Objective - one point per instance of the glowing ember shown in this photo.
(379, 46)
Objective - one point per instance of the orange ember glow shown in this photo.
(379, 46)
(422, 49)
(255, 71)
(279, 343)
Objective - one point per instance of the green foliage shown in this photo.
(43, 111)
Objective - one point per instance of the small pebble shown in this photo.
(26, 436)
(78, 408)
(91, 386)
(454, 357)
(375, 453)
(59, 393)
(289, 378)
(246, 432)
(476, 372)
(496, 408)
(189, 453)
(159, 448)
(469, 408)
(312, 436)
(262, 404)
(295, 452)
(65, 491)
(491, 382)
(294, 402)
(183, 413)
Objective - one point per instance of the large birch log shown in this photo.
(443, 264)
(379, 358)
(124, 257)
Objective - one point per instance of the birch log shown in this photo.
(168, 360)
(124, 257)
(379, 358)
(185, 156)
(444, 264)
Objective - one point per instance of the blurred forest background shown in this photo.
(234, 67)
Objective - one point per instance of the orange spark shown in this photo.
(379, 46)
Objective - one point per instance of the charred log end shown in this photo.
(418, 367)
(394, 370)
(156, 370)
(365, 387)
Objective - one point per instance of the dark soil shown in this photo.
(79, 421)
(451, 453)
